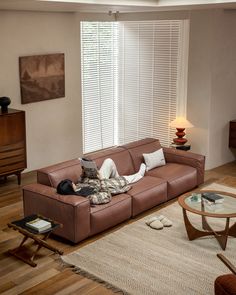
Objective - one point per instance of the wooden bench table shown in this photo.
(38, 238)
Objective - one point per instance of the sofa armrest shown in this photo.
(186, 158)
(70, 210)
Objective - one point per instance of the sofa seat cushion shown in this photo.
(180, 178)
(147, 193)
(108, 215)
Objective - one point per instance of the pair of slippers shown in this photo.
(158, 222)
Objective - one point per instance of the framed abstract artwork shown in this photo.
(42, 77)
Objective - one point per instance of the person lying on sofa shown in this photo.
(99, 189)
(109, 170)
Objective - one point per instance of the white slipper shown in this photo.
(165, 221)
(156, 224)
(150, 220)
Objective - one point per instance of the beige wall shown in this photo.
(223, 96)
(199, 81)
(54, 128)
(54, 131)
(212, 84)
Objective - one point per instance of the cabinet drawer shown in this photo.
(11, 147)
(12, 127)
(12, 160)
(13, 153)
(12, 167)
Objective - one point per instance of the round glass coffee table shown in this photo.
(193, 202)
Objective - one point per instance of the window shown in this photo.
(134, 80)
(99, 84)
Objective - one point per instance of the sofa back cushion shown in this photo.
(52, 175)
(138, 148)
(119, 155)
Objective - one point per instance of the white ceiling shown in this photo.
(99, 6)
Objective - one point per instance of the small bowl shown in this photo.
(4, 103)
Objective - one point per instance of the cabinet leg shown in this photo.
(3, 179)
(18, 177)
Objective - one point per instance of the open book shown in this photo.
(89, 167)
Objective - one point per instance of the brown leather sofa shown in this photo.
(226, 284)
(183, 171)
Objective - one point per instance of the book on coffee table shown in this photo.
(39, 224)
(212, 197)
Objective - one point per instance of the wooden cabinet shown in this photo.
(12, 143)
(232, 134)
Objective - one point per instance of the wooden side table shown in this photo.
(38, 238)
(185, 147)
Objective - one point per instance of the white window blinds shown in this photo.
(99, 84)
(133, 80)
(149, 75)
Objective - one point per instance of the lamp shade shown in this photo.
(180, 122)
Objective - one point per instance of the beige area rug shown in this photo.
(142, 261)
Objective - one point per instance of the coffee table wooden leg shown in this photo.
(232, 230)
(221, 236)
(192, 232)
(204, 223)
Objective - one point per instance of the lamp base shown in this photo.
(180, 140)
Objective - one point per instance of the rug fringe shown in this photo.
(90, 276)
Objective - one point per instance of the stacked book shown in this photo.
(39, 225)
(212, 198)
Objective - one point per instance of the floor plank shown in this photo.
(32, 281)
(57, 283)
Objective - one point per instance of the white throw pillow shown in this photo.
(154, 159)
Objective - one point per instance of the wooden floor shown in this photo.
(49, 277)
